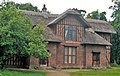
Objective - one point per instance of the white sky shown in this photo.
(59, 6)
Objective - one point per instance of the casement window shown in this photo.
(70, 55)
(70, 32)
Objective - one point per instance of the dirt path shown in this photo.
(57, 73)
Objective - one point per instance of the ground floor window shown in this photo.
(70, 55)
(96, 59)
(43, 61)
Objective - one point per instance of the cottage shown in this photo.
(73, 40)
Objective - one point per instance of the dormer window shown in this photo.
(70, 32)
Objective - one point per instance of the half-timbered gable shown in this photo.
(69, 25)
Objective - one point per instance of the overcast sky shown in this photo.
(59, 6)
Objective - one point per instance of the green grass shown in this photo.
(112, 72)
(18, 73)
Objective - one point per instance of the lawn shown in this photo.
(113, 72)
(18, 73)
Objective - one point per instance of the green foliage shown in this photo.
(17, 35)
(26, 6)
(21, 73)
(111, 72)
(114, 65)
(97, 15)
(82, 12)
(115, 38)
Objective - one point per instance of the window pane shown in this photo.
(97, 57)
(74, 35)
(70, 50)
(66, 27)
(73, 59)
(66, 59)
(70, 35)
(70, 59)
(70, 32)
(70, 55)
(66, 32)
(66, 50)
(74, 28)
(70, 27)
(74, 51)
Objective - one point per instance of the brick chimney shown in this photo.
(44, 9)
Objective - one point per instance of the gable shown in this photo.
(67, 13)
(70, 20)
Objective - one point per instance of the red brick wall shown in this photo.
(52, 47)
(96, 48)
(34, 62)
(79, 55)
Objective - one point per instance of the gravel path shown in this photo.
(57, 73)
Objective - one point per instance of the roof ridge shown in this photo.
(95, 20)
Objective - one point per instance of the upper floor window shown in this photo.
(70, 32)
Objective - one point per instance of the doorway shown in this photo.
(96, 59)
(43, 61)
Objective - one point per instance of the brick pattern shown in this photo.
(103, 55)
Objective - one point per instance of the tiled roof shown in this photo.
(90, 36)
(93, 38)
(50, 36)
(101, 26)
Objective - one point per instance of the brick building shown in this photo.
(73, 41)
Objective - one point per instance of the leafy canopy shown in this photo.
(97, 15)
(115, 38)
(17, 35)
(25, 6)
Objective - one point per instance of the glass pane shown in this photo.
(74, 51)
(97, 57)
(74, 35)
(66, 35)
(70, 27)
(70, 59)
(66, 59)
(73, 59)
(66, 27)
(70, 35)
(74, 27)
(66, 50)
(70, 50)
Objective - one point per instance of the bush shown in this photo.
(114, 65)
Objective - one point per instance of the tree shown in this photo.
(97, 15)
(81, 12)
(26, 6)
(17, 36)
(115, 38)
